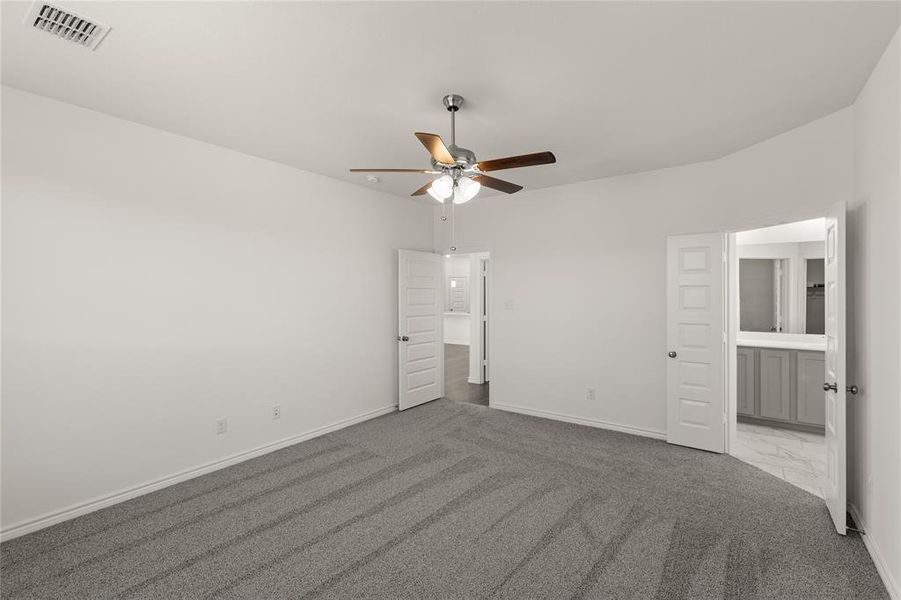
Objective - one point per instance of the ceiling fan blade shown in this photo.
(435, 145)
(422, 190)
(429, 171)
(514, 162)
(497, 184)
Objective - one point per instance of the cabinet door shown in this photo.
(747, 380)
(775, 384)
(811, 375)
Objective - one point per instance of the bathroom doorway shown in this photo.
(779, 421)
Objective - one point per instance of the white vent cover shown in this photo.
(66, 25)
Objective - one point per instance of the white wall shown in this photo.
(599, 248)
(873, 325)
(153, 283)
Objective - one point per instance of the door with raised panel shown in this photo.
(835, 490)
(421, 329)
(695, 383)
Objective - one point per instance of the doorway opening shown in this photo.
(466, 369)
(777, 297)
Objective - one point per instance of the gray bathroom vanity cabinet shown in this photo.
(781, 386)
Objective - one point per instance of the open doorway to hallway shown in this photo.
(466, 327)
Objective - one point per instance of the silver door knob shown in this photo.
(852, 389)
(671, 354)
(403, 338)
(830, 386)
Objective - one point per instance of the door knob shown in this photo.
(830, 386)
(403, 338)
(852, 389)
(671, 354)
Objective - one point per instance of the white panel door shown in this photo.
(421, 337)
(836, 381)
(695, 383)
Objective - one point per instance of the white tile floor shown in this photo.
(797, 457)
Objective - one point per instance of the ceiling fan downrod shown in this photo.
(453, 102)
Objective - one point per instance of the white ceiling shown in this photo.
(610, 88)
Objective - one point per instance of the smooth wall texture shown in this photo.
(874, 313)
(597, 319)
(153, 283)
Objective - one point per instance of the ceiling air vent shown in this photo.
(66, 25)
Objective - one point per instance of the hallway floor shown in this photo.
(456, 377)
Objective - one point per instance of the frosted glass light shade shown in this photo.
(466, 190)
(435, 195)
(443, 187)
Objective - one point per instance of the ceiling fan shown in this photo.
(461, 174)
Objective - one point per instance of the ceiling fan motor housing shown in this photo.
(463, 157)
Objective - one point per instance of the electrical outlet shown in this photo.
(221, 425)
(276, 411)
(590, 394)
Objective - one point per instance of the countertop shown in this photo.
(785, 341)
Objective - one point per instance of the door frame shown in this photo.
(476, 306)
(730, 283)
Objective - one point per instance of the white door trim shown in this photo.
(477, 359)
(731, 362)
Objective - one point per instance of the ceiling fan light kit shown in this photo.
(462, 175)
(466, 190)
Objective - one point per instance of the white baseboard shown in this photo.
(474, 380)
(894, 590)
(547, 414)
(78, 510)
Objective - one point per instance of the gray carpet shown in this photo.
(456, 377)
(453, 500)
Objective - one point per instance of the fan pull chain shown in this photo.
(453, 228)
